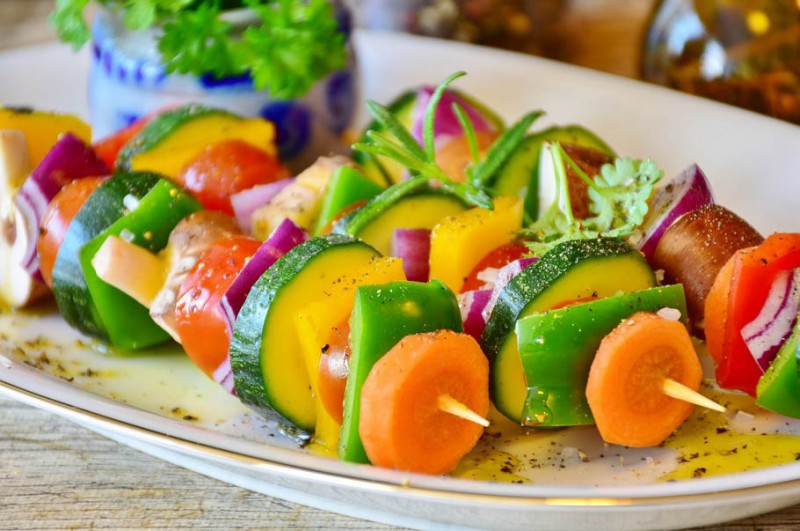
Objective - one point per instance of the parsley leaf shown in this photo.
(285, 45)
(296, 44)
(67, 17)
(618, 195)
(198, 37)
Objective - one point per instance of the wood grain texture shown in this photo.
(56, 475)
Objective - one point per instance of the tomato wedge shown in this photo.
(60, 212)
(200, 322)
(227, 167)
(497, 258)
(334, 366)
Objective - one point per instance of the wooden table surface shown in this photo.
(56, 475)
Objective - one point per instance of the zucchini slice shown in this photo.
(266, 354)
(103, 207)
(573, 270)
(174, 137)
(412, 204)
(519, 176)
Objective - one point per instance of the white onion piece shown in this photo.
(445, 122)
(766, 333)
(246, 202)
(69, 159)
(472, 304)
(413, 246)
(504, 276)
(688, 191)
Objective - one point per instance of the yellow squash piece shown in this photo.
(459, 242)
(316, 321)
(169, 156)
(300, 201)
(42, 129)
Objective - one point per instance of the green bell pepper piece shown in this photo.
(382, 316)
(557, 349)
(128, 323)
(347, 186)
(779, 388)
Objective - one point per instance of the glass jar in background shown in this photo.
(127, 80)
(521, 25)
(742, 52)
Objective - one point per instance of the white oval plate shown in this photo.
(753, 162)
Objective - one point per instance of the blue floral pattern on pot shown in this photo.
(128, 81)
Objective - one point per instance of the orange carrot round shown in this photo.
(402, 425)
(626, 378)
(716, 309)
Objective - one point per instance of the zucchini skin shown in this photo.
(562, 274)
(160, 128)
(247, 343)
(103, 207)
(534, 280)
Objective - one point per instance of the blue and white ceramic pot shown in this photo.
(127, 81)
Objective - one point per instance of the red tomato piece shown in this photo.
(108, 148)
(55, 222)
(497, 258)
(334, 366)
(227, 167)
(200, 322)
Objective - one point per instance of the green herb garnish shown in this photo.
(284, 45)
(397, 143)
(618, 195)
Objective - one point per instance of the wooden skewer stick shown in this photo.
(679, 391)
(448, 404)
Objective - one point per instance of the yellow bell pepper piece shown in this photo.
(42, 129)
(459, 242)
(315, 323)
(300, 201)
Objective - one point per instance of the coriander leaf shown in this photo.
(67, 18)
(618, 196)
(620, 193)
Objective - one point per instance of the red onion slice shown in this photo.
(414, 247)
(246, 202)
(472, 305)
(223, 375)
(69, 159)
(688, 191)
(445, 123)
(284, 238)
(766, 333)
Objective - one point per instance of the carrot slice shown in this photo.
(716, 309)
(402, 424)
(627, 375)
